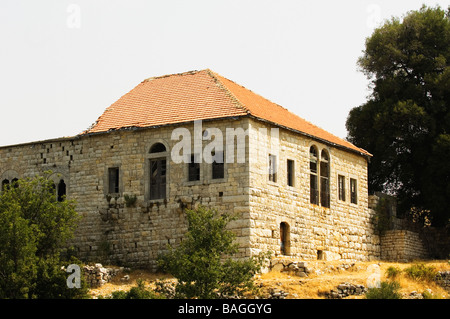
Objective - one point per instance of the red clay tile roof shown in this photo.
(200, 95)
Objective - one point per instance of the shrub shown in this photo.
(34, 228)
(421, 272)
(393, 272)
(203, 263)
(137, 292)
(130, 200)
(387, 290)
(428, 294)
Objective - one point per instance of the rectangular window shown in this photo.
(193, 169)
(290, 172)
(341, 187)
(353, 191)
(272, 168)
(113, 180)
(218, 166)
(158, 178)
(314, 189)
(324, 184)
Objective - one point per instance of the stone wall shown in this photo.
(110, 232)
(342, 231)
(443, 279)
(402, 245)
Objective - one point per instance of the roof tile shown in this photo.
(200, 95)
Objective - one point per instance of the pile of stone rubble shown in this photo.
(346, 289)
(96, 275)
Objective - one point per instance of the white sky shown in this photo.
(63, 62)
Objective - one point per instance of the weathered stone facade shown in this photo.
(402, 245)
(112, 232)
(296, 189)
(341, 231)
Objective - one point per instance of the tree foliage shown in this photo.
(203, 262)
(34, 228)
(405, 123)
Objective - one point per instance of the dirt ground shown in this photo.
(325, 276)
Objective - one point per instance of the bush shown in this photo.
(421, 272)
(393, 272)
(34, 228)
(138, 292)
(203, 262)
(387, 290)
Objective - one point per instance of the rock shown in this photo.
(344, 290)
(96, 275)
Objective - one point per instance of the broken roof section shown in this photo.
(201, 95)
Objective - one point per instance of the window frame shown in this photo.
(114, 186)
(161, 191)
(341, 187)
(194, 169)
(314, 191)
(156, 152)
(353, 190)
(290, 172)
(272, 168)
(324, 174)
(218, 165)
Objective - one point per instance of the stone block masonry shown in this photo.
(284, 220)
(110, 231)
(402, 245)
(272, 215)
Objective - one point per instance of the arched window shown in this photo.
(61, 190)
(325, 179)
(285, 240)
(314, 189)
(158, 171)
(5, 184)
(157, 148)
(14, 182)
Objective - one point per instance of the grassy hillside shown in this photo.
(323, 276)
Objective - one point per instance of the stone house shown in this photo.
(197, 138)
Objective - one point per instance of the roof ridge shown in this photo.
(192, 72)
(236, 101)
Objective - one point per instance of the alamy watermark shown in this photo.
(73, 20)
(232, 143)
(74, 279)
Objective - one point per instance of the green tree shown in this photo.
(203, 262)
(405, 123)
(34, 229)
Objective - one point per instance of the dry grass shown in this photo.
(311, 287)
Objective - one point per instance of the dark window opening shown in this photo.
(290, 172)
(61, 191)
(272, 168)
(193, 169)
(5, 184)
(314, 190)
(341, 187)
(15, 182)
(319, 255)
(353, 191)
(157, 148)
(113, 174)
(158, 171)
(324, 180)
(218, 166)
(285, 239)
